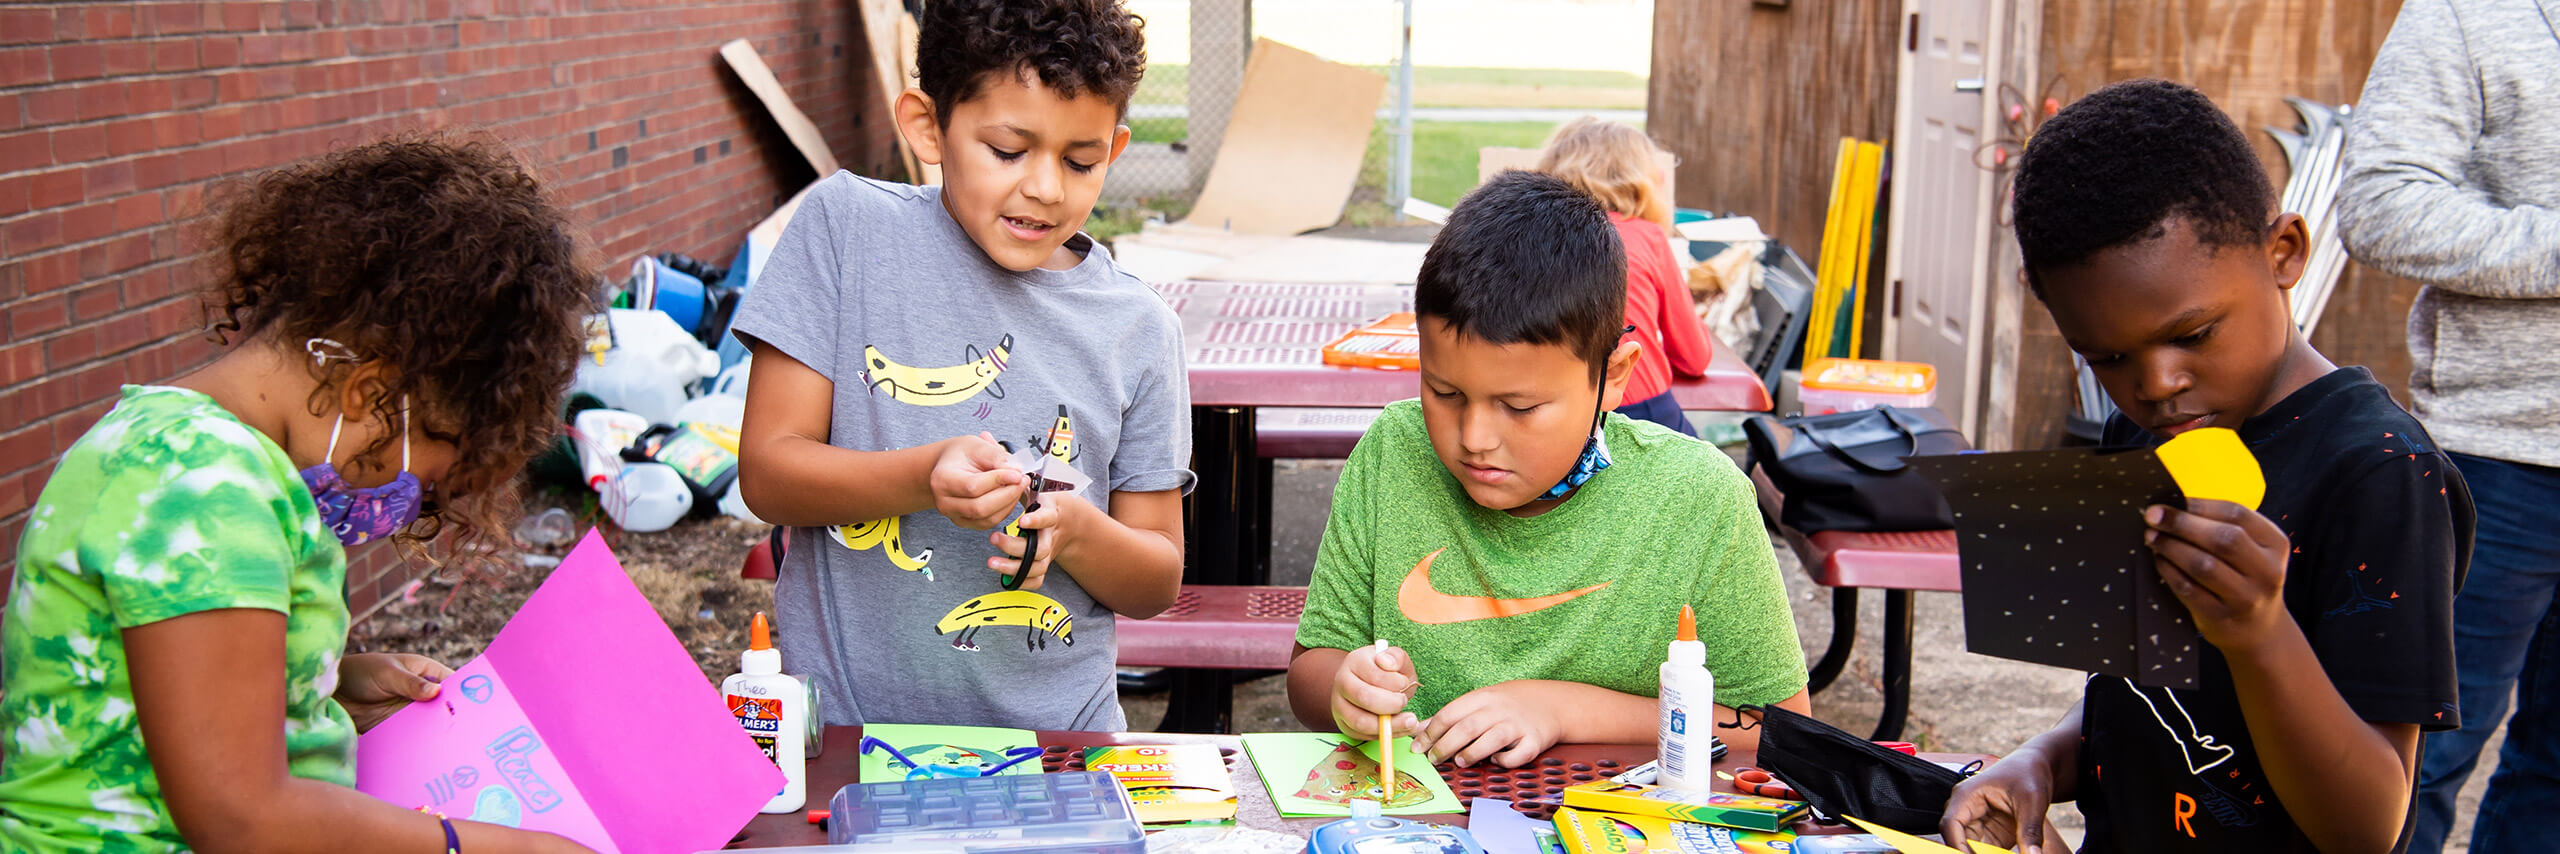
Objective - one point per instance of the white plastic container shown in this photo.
(773, 708)
(1688, 711)
(646, 497)
(601, 436)
(652, 364)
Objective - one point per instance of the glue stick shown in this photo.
(774, 710)
(1688, 702)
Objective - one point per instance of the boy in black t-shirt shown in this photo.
(2150, 232)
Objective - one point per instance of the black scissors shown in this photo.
(1031, 503)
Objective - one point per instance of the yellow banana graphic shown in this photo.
(938, 386)
(884, 532)
(1041, 615)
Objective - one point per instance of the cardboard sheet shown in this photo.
(1321, 773)
(759, 78)
(545, 729)
(1293, 143)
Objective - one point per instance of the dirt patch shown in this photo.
(689, 572)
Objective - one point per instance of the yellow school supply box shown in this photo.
(1590, 832)
(1746, 812)
(1171, 782)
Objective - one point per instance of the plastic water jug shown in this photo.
(646, 497)
(651, 365)
(600, 435)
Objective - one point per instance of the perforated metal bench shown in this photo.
(1210, 630)
(1897, 562)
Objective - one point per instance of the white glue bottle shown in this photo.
(774, 710)
(1688, 711)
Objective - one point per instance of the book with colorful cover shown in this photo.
(1170, 783)
(1728, 809)
(1590, 832)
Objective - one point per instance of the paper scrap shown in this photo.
(1293, 143)
(2214, 464)
(1500, 829)
(1909, 844)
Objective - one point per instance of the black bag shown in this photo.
(1843, 471)
(1844, 775)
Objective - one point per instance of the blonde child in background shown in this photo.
(1620, 167)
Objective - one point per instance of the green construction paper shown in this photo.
(1306, 775)
(946, 751)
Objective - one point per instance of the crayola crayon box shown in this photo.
(1721, 808)
(1591, 832)
(1170, 783)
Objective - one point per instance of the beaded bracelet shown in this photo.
(452, 842)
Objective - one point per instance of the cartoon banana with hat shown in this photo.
(1042, 616)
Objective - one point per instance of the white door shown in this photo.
(1943, 208)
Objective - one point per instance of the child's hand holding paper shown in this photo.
(975, 483)
(2219, 556)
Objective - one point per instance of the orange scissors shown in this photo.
(1753, 781)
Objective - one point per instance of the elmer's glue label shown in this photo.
(773, 709)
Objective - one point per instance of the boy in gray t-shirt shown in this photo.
(909, 340)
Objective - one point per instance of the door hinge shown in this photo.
(1896, 311)
(1911, 34)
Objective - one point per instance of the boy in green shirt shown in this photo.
(1474, 531)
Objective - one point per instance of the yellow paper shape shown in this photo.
(1909, 844)
(2213, 463)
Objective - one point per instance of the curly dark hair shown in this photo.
(440, 257)
(1074, 46)
(1527, 258)
(2114, 167)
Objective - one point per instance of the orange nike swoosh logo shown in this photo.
(1424, 604)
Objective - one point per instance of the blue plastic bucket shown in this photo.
(678, 295)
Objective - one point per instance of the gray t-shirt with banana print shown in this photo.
(899, 620)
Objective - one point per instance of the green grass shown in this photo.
(1458, 87)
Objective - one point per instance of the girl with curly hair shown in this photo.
(404, 317)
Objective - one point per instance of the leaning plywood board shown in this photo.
(759, 78)
(1495, 158)
(1293, 143)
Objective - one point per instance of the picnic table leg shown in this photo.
(1897, 665)
(1844, 635)
(1225, 537)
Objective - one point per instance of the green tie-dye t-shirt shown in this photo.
(169, 506)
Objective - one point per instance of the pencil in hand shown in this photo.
(1386, 742)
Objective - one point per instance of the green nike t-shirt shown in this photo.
(1588, 592)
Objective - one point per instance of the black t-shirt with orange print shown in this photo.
(2381, 525)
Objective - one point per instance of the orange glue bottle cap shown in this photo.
(1688, 624)
(760, 659)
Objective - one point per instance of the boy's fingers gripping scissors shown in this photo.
(1030, 504)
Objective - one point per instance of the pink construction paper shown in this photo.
(647, 758)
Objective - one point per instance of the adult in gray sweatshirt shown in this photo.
(2453, 179)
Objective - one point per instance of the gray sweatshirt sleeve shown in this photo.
(2411, 202)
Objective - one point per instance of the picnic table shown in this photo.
(1256, 345)
(1565, 764)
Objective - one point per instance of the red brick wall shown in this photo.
(115, 117)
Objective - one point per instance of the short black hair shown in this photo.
(2114, 167)
(1526, 258)
(1074, 46)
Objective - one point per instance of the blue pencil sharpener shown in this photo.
(1368, 831)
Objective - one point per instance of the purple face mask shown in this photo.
(359, 515)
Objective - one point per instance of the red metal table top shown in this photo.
(1216, 626)
(1256, 344)
(836, 766)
